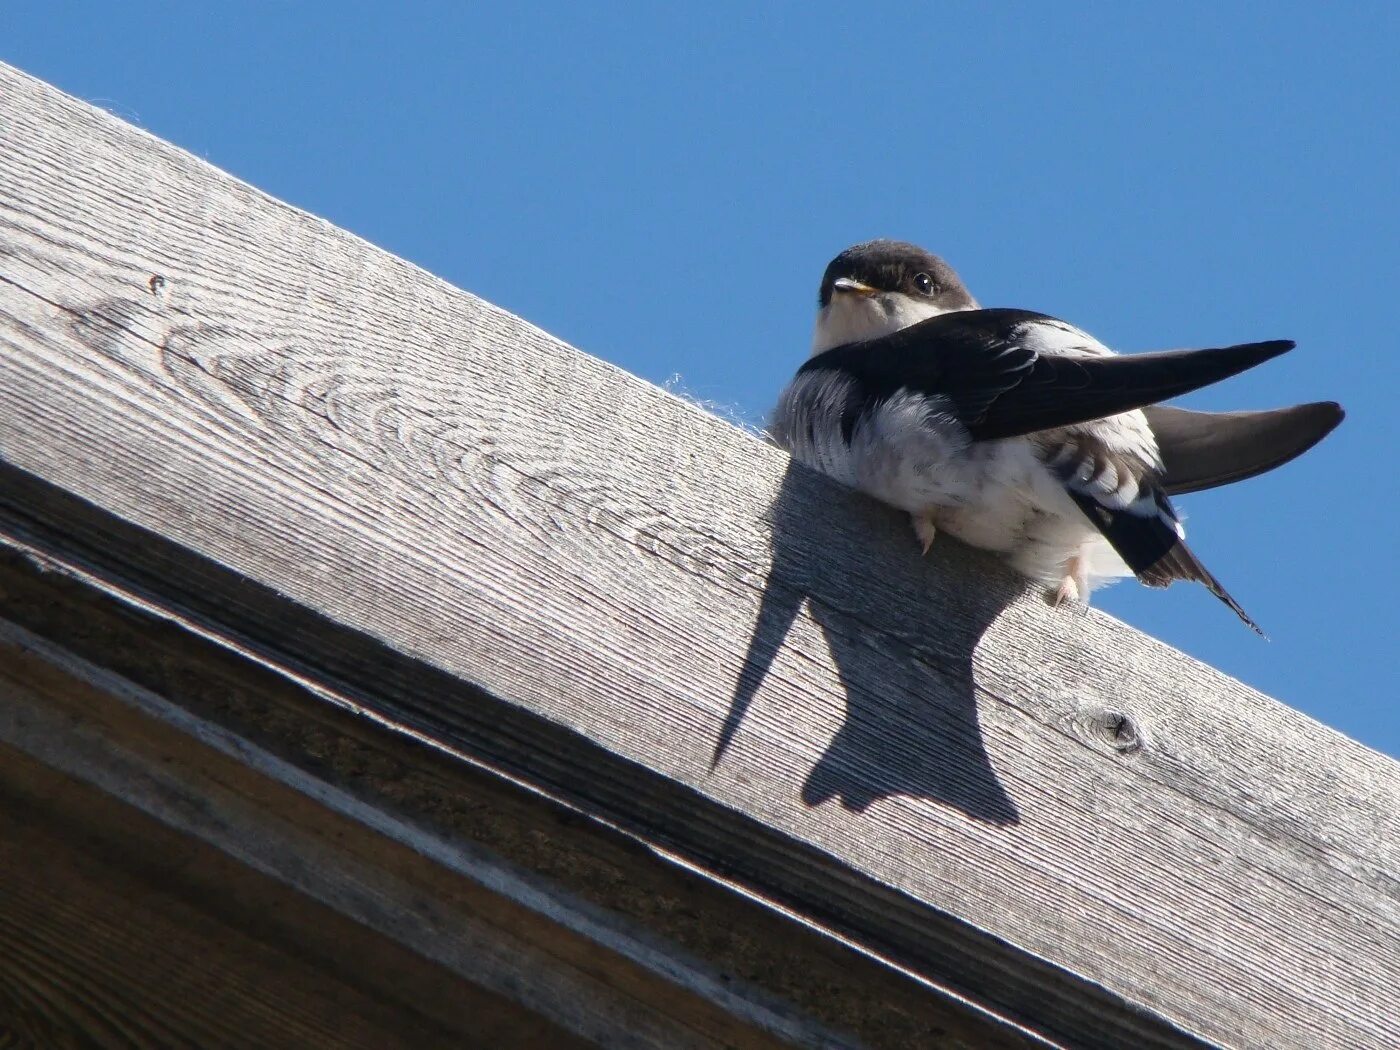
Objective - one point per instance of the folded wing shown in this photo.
(989, 365)
(1202, 450)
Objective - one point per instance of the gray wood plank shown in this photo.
(194, 714)
(135, 937)
(412, 463)
(536, 963)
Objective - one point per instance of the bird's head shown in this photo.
(879, 287)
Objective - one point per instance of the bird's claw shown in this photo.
(1075, 585)
(1068, 591)
(925, 530)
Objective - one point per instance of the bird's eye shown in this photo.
(924, 283)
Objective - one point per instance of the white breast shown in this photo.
(908, 453)
(911, 453)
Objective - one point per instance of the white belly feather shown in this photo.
(996, 495)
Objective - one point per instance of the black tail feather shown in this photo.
(1152, 548)
(1181, 563)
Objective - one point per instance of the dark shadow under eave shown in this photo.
(911, 723)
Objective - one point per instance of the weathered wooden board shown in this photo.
(1064, 819)
(524, 953)
(517, 897)
(102, 912)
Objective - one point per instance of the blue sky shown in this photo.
(1162, 175)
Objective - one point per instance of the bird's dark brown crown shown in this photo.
(898, 266)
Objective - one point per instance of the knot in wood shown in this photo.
(1120, 731)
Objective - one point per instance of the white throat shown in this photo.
(851, 318)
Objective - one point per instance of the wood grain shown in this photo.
(1065, 820)
(103, 912)
(535, 964)
(675, 937)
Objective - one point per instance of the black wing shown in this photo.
(990, 366)
(1201, 450)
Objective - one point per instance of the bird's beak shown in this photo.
(853, 287)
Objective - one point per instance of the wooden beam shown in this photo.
(445, 525)
(117, 931)
(522, 952)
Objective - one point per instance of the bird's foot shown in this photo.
(1075, 586)
(924, 529)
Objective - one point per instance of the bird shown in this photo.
(1020, 433)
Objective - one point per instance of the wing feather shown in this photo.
(986, 364)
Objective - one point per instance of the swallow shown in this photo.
(1019, 433)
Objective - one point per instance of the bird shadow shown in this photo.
(902, 631)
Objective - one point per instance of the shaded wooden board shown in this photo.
(238, 750)
(911, 741)
(520, 952)
(116, 932)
